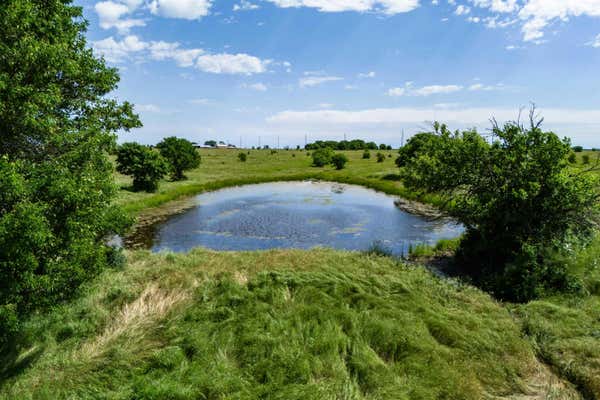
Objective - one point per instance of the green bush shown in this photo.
(380, 157)
(585, 158)
(180, 154)
(146, 166)
(339, 161)
(517, 200)
(572, 158)
(322, 157)
(242, 157)
(366, 155)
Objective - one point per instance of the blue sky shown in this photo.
(237, 70)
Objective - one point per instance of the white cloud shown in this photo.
(409, 90)
(499, 6)
(462, 10)
(385, 6)
(110, 15)
(185, 9)
(312, 80)
(245, 5)
(231, 64)
(259, 87)
(485, 88)
(596, 42)
(151, 108)
(118, 51)
(370, 74)
(391, 116)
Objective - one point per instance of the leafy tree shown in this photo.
(242, 157)
(419, 143)
(322, 157)
(180, 154)
(517, 198)
(366, 155)
(577, 149)
(211, 143)
(57, 124)
(339, 160)
(145, 165)
(380, 157)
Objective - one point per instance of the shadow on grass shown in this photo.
(13, 362)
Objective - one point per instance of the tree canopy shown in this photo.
(180, 154)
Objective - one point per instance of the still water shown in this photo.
(294, 215)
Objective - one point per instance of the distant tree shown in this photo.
(577, 149)
(389, 147)
(145, 165)
(371, 146)
(380, 157)
(383, 146)
(322, 157)
(339, 160)
(298, 147)
(242, 157)
(211, 143)
(180, 154)
(366, 154)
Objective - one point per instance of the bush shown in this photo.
(585, 158)
(242, 157)
(577, 149)
(380, 157)
(322, 157)
(366, 155)
(339, 161)
(517, 200)
(572, 158)
(145, 165)
(180, 154)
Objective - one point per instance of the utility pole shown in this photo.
(305, 139)
(259, 142)
(277, 142)
(402, 137)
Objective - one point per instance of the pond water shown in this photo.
(293, 215)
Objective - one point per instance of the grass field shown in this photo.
(291, 324)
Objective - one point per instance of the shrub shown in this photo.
(339, 161)
(380, 157)
(242, 157)
(146, 166)
(572, 158)
(366, 155)
(180, 154)
(517, 200)
(322, 157)
(585, 158)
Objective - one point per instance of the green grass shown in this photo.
(285, 324)
(222, 168)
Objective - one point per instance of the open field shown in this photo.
(288, 324)
(221, 168)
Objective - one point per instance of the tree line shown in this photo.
(356, 144)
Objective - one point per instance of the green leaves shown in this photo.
(145, 165)
(516, 198)
(180, 154)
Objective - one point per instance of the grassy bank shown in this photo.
(221, 168)
(318, 324)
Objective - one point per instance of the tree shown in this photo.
(518, 199)
(322, 157)
(339, 160)
(577, 149)
(145, 165)
(180, 154)
(380, 157)
(242, 157)
(211, 143)
(57, 124)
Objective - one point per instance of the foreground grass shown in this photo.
(221, 168)
(284, 324)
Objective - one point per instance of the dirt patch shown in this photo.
(417, 208)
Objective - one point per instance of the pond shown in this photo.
(293, 215)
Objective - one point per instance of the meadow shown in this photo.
(291, 324)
